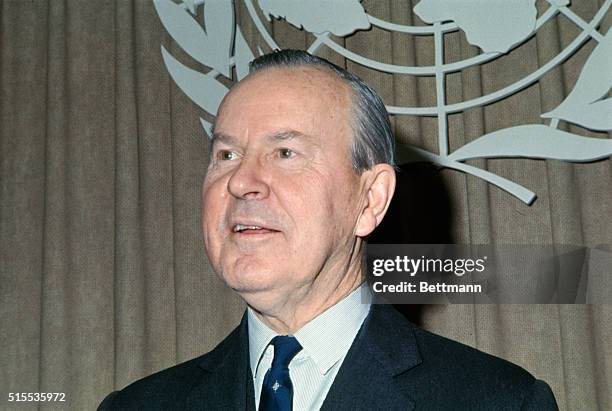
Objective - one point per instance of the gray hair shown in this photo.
(373, 141)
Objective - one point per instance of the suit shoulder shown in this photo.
(169, 389)
(475, 378)
(453, 356)
(163, 390)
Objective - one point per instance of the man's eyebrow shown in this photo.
(224, 138)
(288, 135)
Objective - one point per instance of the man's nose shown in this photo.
(247, 181)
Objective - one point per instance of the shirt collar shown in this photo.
(260, 336)
(326, 338)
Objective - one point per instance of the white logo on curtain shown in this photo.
(495, 26)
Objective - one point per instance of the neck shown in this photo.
(289, 312)
(289, 321)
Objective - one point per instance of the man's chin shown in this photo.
(259, 293)
(251, 282)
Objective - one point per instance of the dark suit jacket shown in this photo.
(392, 365)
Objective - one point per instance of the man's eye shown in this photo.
(285, 153)
(226, 155)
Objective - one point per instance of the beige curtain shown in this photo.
(103, 277)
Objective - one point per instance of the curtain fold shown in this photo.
(103, 276)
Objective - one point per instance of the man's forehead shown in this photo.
(285, 103)
(318, 83)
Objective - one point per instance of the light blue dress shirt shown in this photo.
(325, 341)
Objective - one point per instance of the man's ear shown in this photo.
(380, 186)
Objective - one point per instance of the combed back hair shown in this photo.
(373, 141)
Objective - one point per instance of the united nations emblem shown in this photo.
(499, 27)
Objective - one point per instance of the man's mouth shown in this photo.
(252, 229)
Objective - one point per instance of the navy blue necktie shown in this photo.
(277, 390)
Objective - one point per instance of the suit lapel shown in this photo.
(227, 382)
(384, 348)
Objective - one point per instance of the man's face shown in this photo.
(281, 200)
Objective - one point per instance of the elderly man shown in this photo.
(301, 172)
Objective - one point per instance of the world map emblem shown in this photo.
(207, 31)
